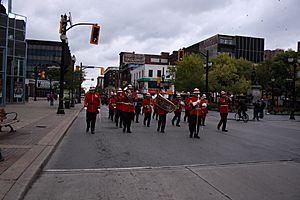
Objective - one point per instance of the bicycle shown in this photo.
(244, 117)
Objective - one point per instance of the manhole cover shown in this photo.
(41, 126)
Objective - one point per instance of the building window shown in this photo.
(139, 74)
(142, 73)
(158, 73)
(150, 73)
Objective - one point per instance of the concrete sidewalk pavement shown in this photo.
(25, 151)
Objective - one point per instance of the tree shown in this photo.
(189, 73)
(227, 74)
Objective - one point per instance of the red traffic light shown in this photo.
(95, 34)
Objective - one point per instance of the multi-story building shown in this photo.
(249, 48)
(100, 82)
(146, 72)
(270, 54)
(41, 56)
(12, 57)
(111, 77)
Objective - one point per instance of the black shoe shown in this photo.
(137, 122)
(191, 135)
(162, 131)
(124, 130)
(225, 130)
(196, 136)
(172, 123)
(92, 132)
(87, 129)
(218, 127)
(1, 159)
(128, 131)
(148, 125)
(178, 125)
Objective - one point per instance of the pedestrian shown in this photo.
(128, 108)
(262, 108)
(187, 107)
(256, 109)
(241, 108)
(204, 109)
(111, 106)
(92, 103)
(138, 107)
(119, 103)
(162, 117)
(178, 103)
(195, 114)
(147, 109)
(224, 102)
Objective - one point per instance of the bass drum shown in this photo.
(164, 103)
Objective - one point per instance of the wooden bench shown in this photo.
(7, 119)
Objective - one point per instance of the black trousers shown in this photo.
(118, 118)
(155, 114)
(176, 116)
(111, 113)
(223, 121)
(137, 114)
(127, 118)
(186, 115)
(194, 124)
(91, 120)
(147, 118)
(203, 120)
(162, 122)
(255, 114)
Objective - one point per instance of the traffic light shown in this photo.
(43, 75)
(61, 24)
(102, 71)
(180, 55)
(95, 34)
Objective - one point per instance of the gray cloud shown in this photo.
(160, 25)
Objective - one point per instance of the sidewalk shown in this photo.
(25, 151)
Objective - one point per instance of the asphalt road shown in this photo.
(254, 160)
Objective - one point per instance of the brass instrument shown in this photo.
(164, 103)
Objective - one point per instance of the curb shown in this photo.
(35, 159)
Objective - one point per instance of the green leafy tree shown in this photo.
(189, 73)
(227, 74)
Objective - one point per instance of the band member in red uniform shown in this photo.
(92, 103)
(162, 117)
(187, 107)
(204, 109)
(224, 103)
(195, 114)
(178, 103)
(128, 108)
(147, 109)
(111, 106)
(119, 102)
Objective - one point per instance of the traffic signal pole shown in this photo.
(63, 31)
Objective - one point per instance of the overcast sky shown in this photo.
(154, 26)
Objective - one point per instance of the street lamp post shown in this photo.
(291, 60)
(72, 91)
(273, 80)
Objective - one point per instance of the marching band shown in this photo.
(125, 106)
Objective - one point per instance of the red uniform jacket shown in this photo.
(223, 105)
(187, 103)
(119, 101)
(196, 110)
(204, 110)
(128, 103)
(112, 102)
(92, 101)
(147, 103)
(178, 105)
